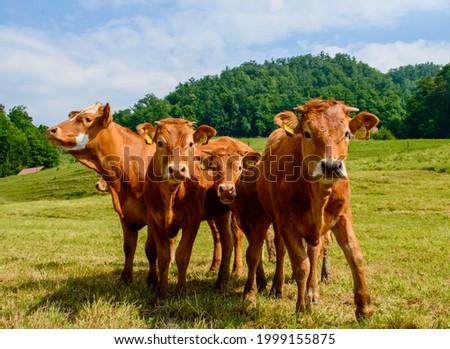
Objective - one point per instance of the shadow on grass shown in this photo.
(200, 307)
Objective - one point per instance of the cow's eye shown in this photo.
(347, 134)
(240, 168)
(160, 144)
(191, 144)
(307, 135)
(87, 120)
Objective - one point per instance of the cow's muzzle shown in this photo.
(177, 173)
(226, 193)
(330, 170)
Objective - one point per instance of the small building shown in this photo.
(31, 170)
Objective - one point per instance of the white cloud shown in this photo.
(389, 55)
(385, 56)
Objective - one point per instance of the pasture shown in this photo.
(61, 254)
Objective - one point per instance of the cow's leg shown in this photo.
(217, 255)
(184, 250)
(345, 236)
(238, 236)
(326, 265)
(255, 274)
(163, 256)
(130, 238)
(299, 261)
(270, 244)
(223, 224)
(278, 279)
(150, 251)
(314, 253)
(172, 242)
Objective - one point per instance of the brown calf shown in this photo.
(304, 188)
(235, 175)
(179, 196)
(146, 130)
(232, 166)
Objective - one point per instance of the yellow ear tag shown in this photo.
(148, 139)
(362, 133)
(250, 164)
(204, 139)
(288, 129)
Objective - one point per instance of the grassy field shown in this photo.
(61, 253)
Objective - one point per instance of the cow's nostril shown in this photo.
(53, 129)
(183, 169)
(171, 170)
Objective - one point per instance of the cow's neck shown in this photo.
(169, 194)
(319, 195)
(106, 154)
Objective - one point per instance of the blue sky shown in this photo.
(58, 56)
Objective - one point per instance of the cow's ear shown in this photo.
(207, 162)
(146, 131)
(203, 134)
(250, 160)
(288, 121)
(105, 115)
(361, 124)
(73, 113)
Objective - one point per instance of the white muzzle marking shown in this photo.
(81, 141)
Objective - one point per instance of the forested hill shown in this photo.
(242, 101)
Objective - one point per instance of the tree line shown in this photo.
(242, 101)
(411, 101)
(22, 144)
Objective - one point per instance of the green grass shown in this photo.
(62, 254)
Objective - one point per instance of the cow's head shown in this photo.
(227, 168)
(175, 140)
(82, 126)
(324, 128)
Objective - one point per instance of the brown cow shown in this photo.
(229, 163)
(304, 188)
(145, 130)
(120, 156)
(234, 174)
(179, 196)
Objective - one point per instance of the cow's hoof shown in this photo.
(248, 305)
(152, 280)
(276, 294)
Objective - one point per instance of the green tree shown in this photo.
(242, 101)
(148, 109)
(429, 107)
(22, 144)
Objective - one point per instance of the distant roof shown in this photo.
(31, 170)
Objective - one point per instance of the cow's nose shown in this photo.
(52, 130)
(333, 169)
(178, 170)
(228, 189)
